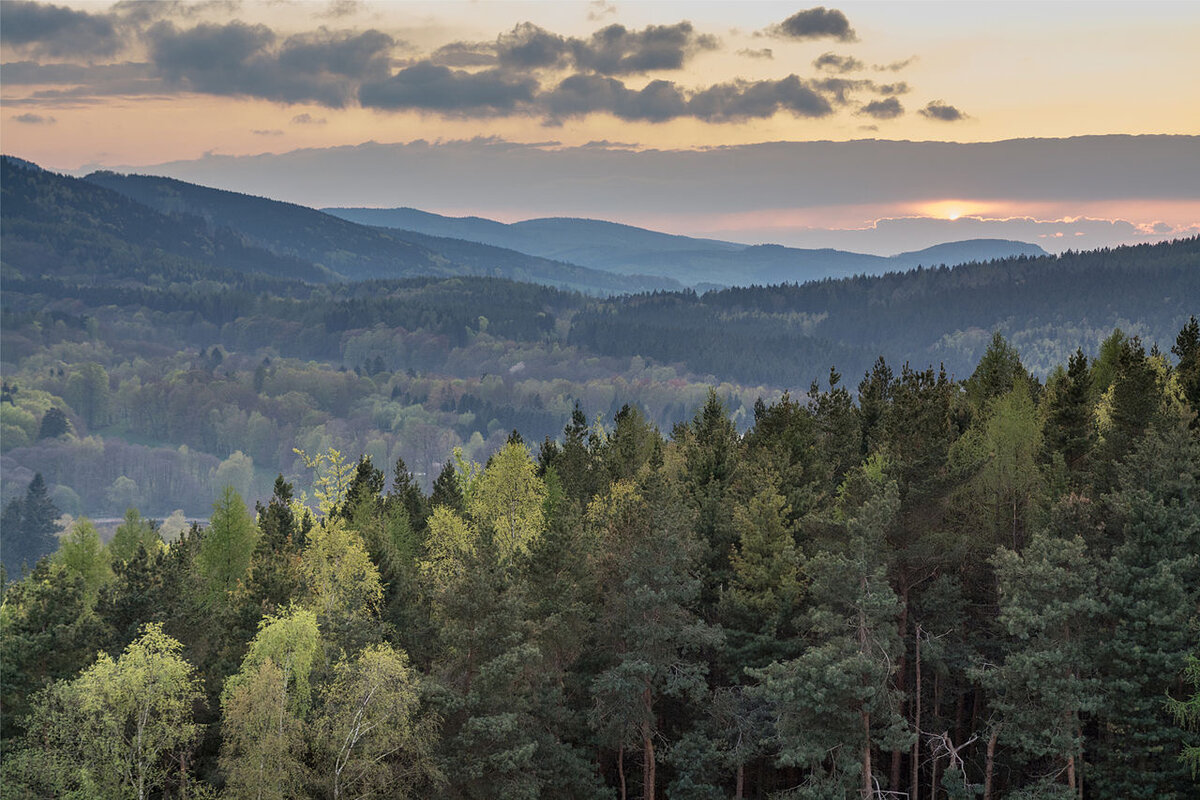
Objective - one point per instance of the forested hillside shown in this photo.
(177, 373)
(1047, 306)
(931, 587)
(358, 252)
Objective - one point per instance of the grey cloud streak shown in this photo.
(606, 182)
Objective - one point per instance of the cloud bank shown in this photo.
(525, 71)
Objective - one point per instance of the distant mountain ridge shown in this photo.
(359, 252)
(691, 261)
(61, 227)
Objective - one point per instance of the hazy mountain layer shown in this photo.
(691, 261)
(358, 252)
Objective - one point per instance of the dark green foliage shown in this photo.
(54, 424)
(30, 527)
(1070, 430)
(446, 491)
(1187, 349)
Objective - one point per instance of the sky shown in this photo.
(877, 127)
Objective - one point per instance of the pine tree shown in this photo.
(227, 546)
(1187, 349)
(1069, 428)
(833, 705)
(30, 527)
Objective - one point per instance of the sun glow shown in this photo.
(952, 209)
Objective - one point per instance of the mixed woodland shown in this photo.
(274, 530)
(953, 589)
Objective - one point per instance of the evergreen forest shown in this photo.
(916, 586)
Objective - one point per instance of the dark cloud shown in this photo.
(816, 23)
(661, 101)
(33, 119)
(430, 87)
(341, 8)
(142, 12)
(900, 87)
(883, 109)
(895, 66)
(465, 54)
(599, 9)
(832, 62)
(612, 50)
(323, 66)
(617, 50)
(764, 52)
(58, 31)
(840, 88)
(579, 95)
(746, 99)
(308, 119)
(529, 47)
(940, 111)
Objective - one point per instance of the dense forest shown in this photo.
(926, 587)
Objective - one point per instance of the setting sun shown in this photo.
(951, 209)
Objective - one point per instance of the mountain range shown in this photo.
(128, 221)
(691, 261)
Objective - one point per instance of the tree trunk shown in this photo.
(866, 715)
(901, 683)
(621, 771)
(741, 782)
(647, 763)
(647, 747)
(990, 763)
(866, 756)
(914, 779)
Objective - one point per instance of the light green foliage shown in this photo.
(510, 498)
(1004, 447)
(123, 493)
(262, 742)
(765, 563)
(119, 729)
(332, 475)
(340, 575)
(374, 739)
(81, 553)
(236, 471)
(291, 641)
(450, 542)
(134, 532)
(227, 545)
